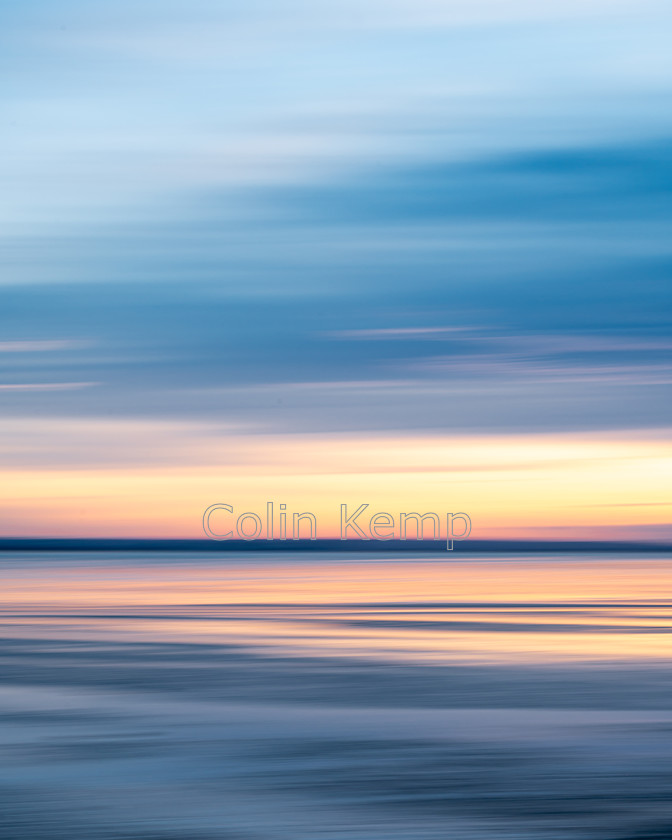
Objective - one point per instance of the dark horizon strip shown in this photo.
(327, 545)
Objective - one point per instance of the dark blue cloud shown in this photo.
(591, 184)
(205, 313)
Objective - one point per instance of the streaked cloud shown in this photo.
(398, 333)
(46, 386)
(40, 345)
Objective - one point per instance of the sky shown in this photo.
(410, 254)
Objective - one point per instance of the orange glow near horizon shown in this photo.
(526, 486)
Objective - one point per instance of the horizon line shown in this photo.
(329, 545)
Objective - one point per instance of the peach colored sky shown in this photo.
(518, 486)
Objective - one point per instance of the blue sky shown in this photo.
(292, 217)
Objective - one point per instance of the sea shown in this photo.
(317, 696)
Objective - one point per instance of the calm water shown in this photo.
(286, 698)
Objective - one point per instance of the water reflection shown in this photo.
(166, 698)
